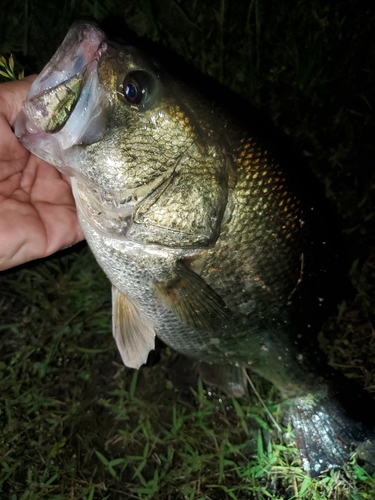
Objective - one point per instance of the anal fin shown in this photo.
(231, 379)
(135, 336)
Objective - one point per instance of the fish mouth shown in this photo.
(66, 104)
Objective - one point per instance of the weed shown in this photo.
(75, 424)
(8, 71)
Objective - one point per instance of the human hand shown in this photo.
(37, 210)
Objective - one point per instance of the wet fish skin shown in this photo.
(202, 231)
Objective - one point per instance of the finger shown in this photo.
(12, 95)
(67, 178)
(39, 233)
(62, 227)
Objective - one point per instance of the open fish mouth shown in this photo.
(66, 104)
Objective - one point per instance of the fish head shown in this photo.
(140, 144)
(107, 114)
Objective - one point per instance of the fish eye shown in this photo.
(137, 88)
(132, 90)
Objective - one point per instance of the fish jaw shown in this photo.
(66, 105)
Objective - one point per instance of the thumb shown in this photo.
(12, 95)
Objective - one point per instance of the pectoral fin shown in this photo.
(134, 336)
(193, 301)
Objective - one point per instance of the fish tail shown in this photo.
(327, 428)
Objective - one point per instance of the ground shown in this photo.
(75, 423)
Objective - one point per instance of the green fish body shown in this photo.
(201, 229)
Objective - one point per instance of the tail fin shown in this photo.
(327, 428)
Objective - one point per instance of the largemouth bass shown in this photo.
(205, 235)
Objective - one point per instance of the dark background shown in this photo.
(307, 65)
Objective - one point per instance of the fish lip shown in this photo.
(86, 41)
(78, 56)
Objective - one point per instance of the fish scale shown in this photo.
(127, 270)
(204, 231)
(272, 235)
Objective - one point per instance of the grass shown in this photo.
(75, 424)
(7, 71)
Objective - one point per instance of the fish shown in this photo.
(206, 232)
